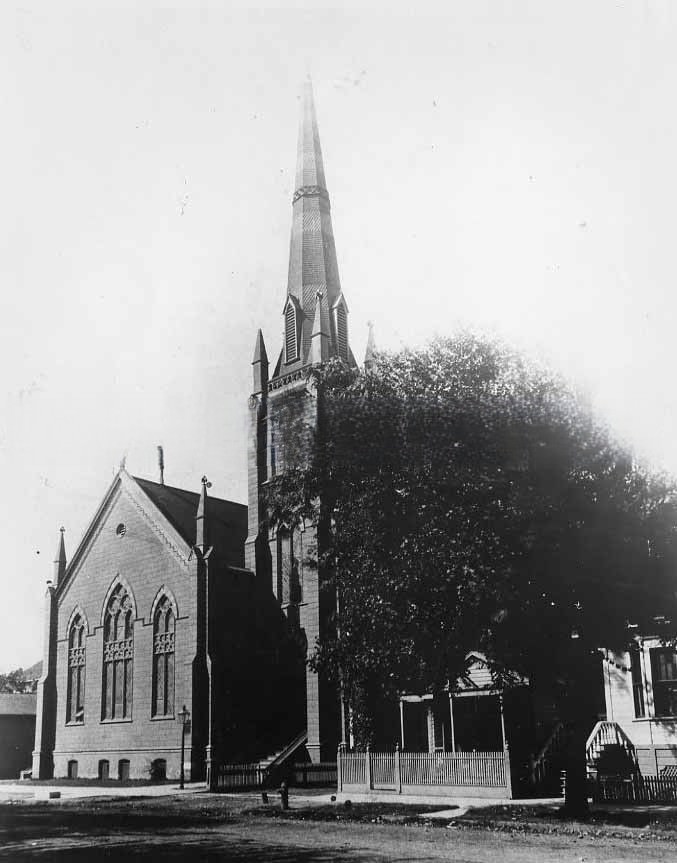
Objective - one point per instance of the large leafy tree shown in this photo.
(469, 500)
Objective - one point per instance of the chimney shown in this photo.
(161, 464)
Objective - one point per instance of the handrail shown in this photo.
(552, 737)
(605, 732)
(288, 750)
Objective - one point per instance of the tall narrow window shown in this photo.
(289, 581)
(664, 676)
(75, 699)
(164, 625)
(637, 681)
(118, 656)
(342, 332)
(290, 333)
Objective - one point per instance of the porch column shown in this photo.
(431, 728)
(401, 723)
(451, 718)
(500, 704)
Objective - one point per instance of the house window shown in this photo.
(664, 675)
(75, 696)
(637, 682)
(164, 625)
(342, 332)
(104, 769)
(118, 656)
(123, 769)
(72, 770)
(290, 333)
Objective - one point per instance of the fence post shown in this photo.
(398, 772)
(367, 769)
(506, 767)
(339, 766)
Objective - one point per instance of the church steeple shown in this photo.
(315, 313)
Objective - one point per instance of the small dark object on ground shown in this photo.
(284, 796)
(264, 798)
(348, 804)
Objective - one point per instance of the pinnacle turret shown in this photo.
(201, 521)
(60, 559)
(369, 358)
(260, 365)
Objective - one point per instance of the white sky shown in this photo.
(504, 165)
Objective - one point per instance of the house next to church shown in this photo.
(639, 732)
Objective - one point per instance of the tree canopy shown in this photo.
(469, 500)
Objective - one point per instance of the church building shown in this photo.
(183, 622)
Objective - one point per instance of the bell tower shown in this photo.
(283, 416)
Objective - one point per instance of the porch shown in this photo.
(444, 774)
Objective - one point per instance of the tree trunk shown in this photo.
(575, 791)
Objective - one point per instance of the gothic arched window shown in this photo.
(289, 581)
(164, 625)
(75, 698)
(342, 332)
(290, 333)
(118, 655)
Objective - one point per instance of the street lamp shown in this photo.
(184, 716)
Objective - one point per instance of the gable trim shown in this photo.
(152, 515)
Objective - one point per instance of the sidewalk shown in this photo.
(27, 791)
(450, 807)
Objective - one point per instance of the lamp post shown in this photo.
(184, 716)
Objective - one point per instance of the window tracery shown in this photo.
(118, 655)
(164, 632)
(75, 698)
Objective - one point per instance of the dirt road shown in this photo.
(192, 832)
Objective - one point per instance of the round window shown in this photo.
(120, 530)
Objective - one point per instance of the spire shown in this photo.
(260, 365)
(369, 359)
(313, 278)
(201, 521)
(309, 164)
(60, 559)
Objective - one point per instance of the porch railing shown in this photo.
(603, 736)
(484, 773)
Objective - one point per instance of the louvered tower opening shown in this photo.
(342, 332)
(290, 338)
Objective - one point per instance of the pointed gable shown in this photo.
(170, 513)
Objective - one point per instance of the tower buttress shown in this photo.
(45, 710)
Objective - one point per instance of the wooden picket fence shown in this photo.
(639, 789)
(484, 774)
(240, 777)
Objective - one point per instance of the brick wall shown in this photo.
(145, 562)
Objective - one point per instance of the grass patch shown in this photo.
(637, 824)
